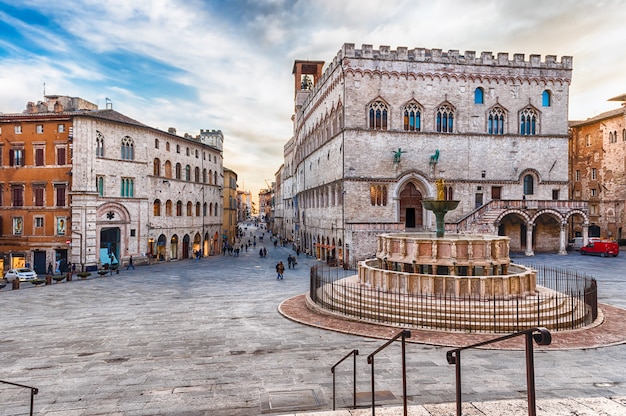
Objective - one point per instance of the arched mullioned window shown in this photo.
(179, 171)
(449, 193)
(99, 144)
(529, 185)
(445, 119)
(412, 117)
(157, 207)
(378, 115)
(495, 121)
(168, 208)
(479, 96)
(197, 209)
(189, 209)
(179, 208)
(528, 122)
(157, 166)
(204, 209)
(378, 195)
(128, 148)
(215, 209)
(546, 98)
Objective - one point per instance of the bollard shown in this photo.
(48, 279)
(16, 284)
(69, 277)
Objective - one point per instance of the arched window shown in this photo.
(156, 143)
(624, 135)
(412, 117)
(177, 148)
(179, 172)
(167, 146)
(168, 169)
(215, 178)
(128, 146)
(215, 209)
(99, 144)
(546, 98)
(168, 208)
(157, 207)
(203, 175)
(378, 195)
(378, 115)
(100, 185)
(187, 173)
(529, 184)
(189, 209)
(157, 166)
(449, 193)
(445, 119)
(528, 122)
(495, 121)
(179, 208)
(197, 209)
(204, 208)
(479, 96)
(211, 209)
(210, 177)
(196, 174)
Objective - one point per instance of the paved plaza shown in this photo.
(206, 338)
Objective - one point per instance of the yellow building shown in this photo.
(229, 224)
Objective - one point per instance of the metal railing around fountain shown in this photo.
(574, 293)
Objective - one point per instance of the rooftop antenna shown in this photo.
(44, 89)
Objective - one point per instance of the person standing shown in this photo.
(280, 269)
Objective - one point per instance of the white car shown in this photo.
(23, 274)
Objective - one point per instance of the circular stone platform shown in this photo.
(609, 329)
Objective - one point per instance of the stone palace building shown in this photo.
(376, 128)
(92, 186)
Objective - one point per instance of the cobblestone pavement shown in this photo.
(205, 338)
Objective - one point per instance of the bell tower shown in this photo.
(305, 74)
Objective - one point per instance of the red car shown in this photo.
(601, 248)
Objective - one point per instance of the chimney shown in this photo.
(171, 130)
(58, 107)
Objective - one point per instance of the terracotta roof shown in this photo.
(608, 114)
(112, 115)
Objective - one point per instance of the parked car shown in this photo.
(601, 248)
(24, 274)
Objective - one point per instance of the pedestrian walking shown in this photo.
(130, 263)
(289, 261)
(280, 269)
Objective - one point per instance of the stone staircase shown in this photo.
(352, 300)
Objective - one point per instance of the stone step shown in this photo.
(472, 315)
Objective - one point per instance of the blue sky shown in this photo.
(208, 64)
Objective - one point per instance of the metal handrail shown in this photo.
(405, 333)
(33, 391)
(354, 353)
(540, 335)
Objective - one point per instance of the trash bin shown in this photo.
(16, 284)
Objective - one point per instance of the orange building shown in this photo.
(35, 178)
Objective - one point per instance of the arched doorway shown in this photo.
(216, 243)
(411, 207)
(197, 241)
(109, 245)
(161, 242)
(174, 247)
(186, 241)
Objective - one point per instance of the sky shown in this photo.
(227, 65)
